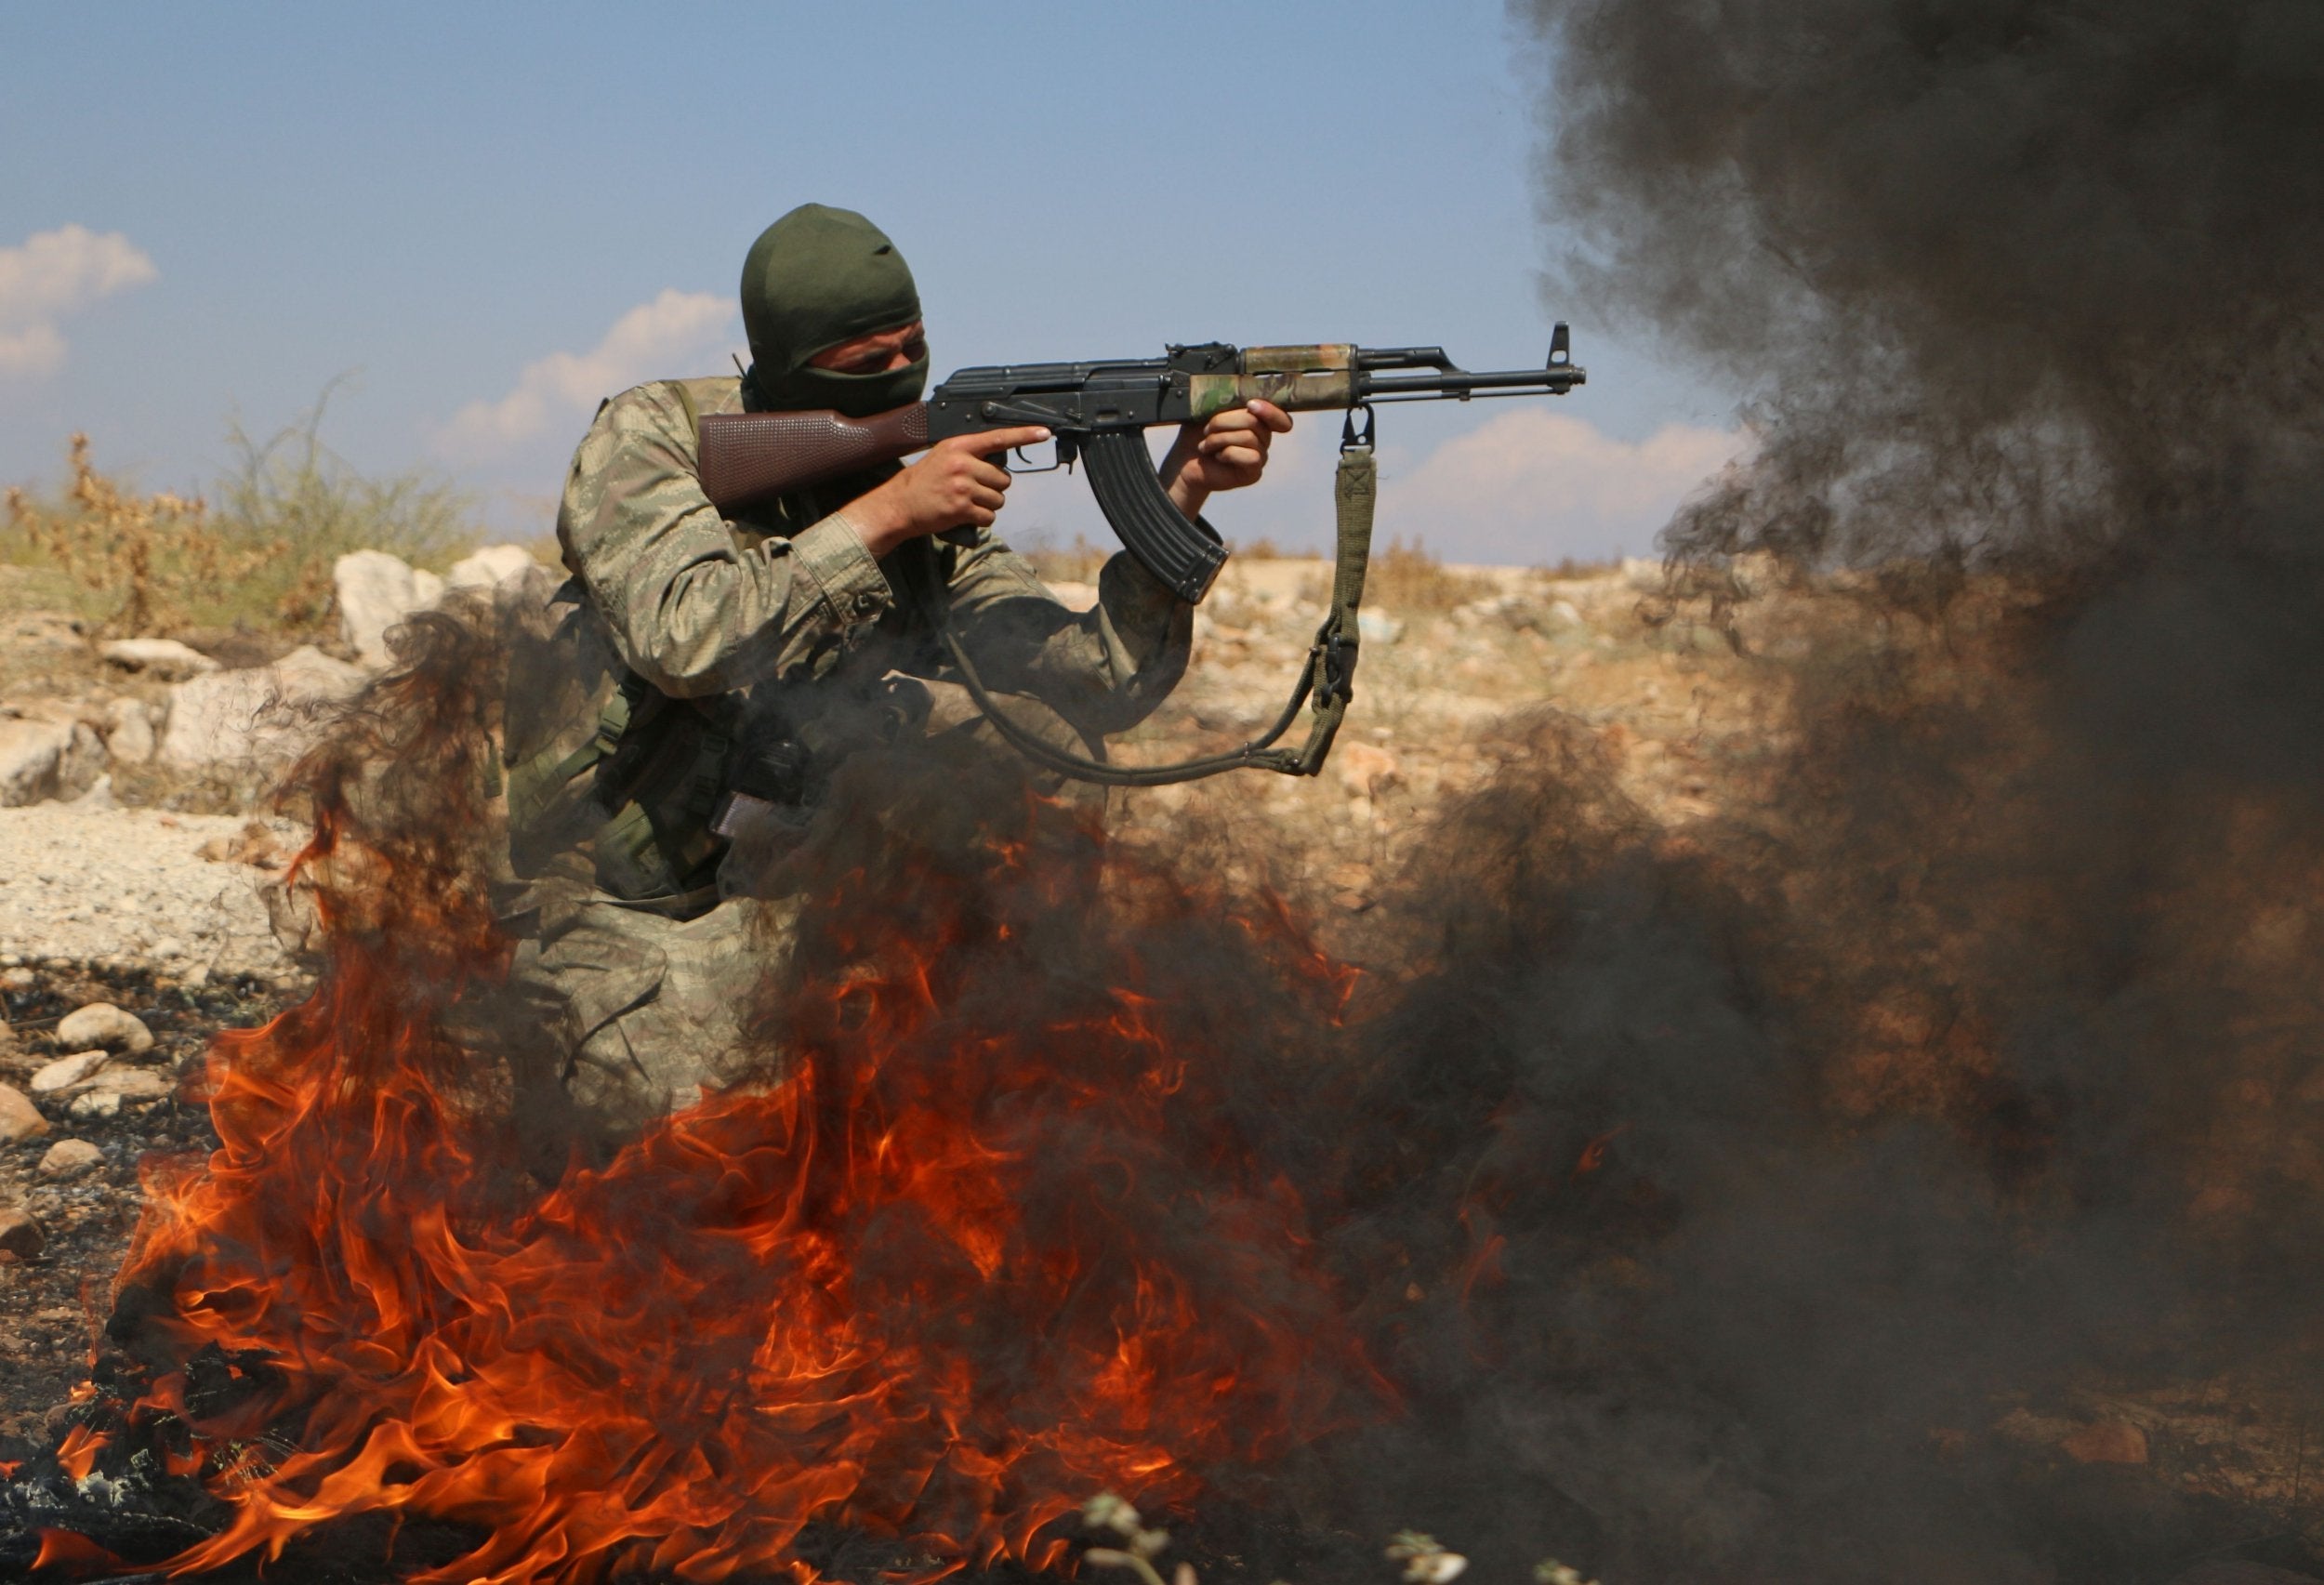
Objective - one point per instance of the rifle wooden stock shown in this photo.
(747, 458)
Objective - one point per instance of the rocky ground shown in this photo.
(137, 855)
(69, 1147)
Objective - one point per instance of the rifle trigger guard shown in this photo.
(1349, 439)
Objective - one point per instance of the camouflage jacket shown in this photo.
(675, 614)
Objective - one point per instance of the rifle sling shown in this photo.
(1328, 678)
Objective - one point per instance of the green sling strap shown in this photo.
(1328, 678)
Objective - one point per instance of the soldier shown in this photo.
(690, 658)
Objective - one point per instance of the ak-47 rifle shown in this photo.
(1100, 412)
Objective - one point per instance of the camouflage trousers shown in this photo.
(627, 1013)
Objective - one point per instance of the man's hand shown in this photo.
(952, 486)
(1226, 453)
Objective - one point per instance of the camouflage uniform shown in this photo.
(770, 645)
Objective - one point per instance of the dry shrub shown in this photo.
(259, 557)
(1409, 578)
(140, 560)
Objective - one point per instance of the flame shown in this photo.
(73, 1554)
(77, 1454)
(941, 1281)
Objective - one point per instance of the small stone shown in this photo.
(491, 568)
(19, 1235)
(19, 1119)
(31, 759)
(163, 657)
(2107, 1442)
(131, 740)
(375, 592)
(137, 1086)
(95, 1106)
(62, 1075)
(71, 1159)
(105, 1025)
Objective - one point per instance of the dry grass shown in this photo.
(254, 554)
(1409, 578)
(135, 564)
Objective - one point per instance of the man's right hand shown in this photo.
(953, 486)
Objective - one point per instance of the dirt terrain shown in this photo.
(147, 891)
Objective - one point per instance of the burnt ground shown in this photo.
(51, 1306)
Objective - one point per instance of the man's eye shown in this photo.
(914, 350)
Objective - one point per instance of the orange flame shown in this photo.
(940, 1281)
(75, 1555)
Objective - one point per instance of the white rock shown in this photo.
(19, 1119)
(375, 591)
(70, 1158)
(257, 714)
(1377, 627)
(33, 759)
(131, 740)
(134, 1086)
(95, 1107)
(19, 1234)
(66, 1071)
(83, 761)
(102, 1025)
(490, 568)
(163, 657)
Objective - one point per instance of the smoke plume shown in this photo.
(1751, 1179)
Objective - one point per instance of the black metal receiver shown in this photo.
(1101, 411)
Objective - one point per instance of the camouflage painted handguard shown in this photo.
(1298, 379)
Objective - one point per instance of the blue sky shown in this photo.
(480, 214)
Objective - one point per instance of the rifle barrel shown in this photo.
(1457, 383)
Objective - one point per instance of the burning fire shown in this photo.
(940, 1281)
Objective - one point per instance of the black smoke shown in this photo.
(1749, 1179)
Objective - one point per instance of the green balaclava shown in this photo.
(815, 278)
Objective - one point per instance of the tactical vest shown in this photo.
(639, 795)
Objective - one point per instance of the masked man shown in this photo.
(690, 658)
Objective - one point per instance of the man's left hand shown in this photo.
(1227, 452)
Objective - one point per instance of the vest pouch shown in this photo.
(664, 783)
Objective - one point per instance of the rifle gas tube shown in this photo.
(1100, 412)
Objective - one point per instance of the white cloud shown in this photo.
(652, 340)
(1531, 487)
(52, 274)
